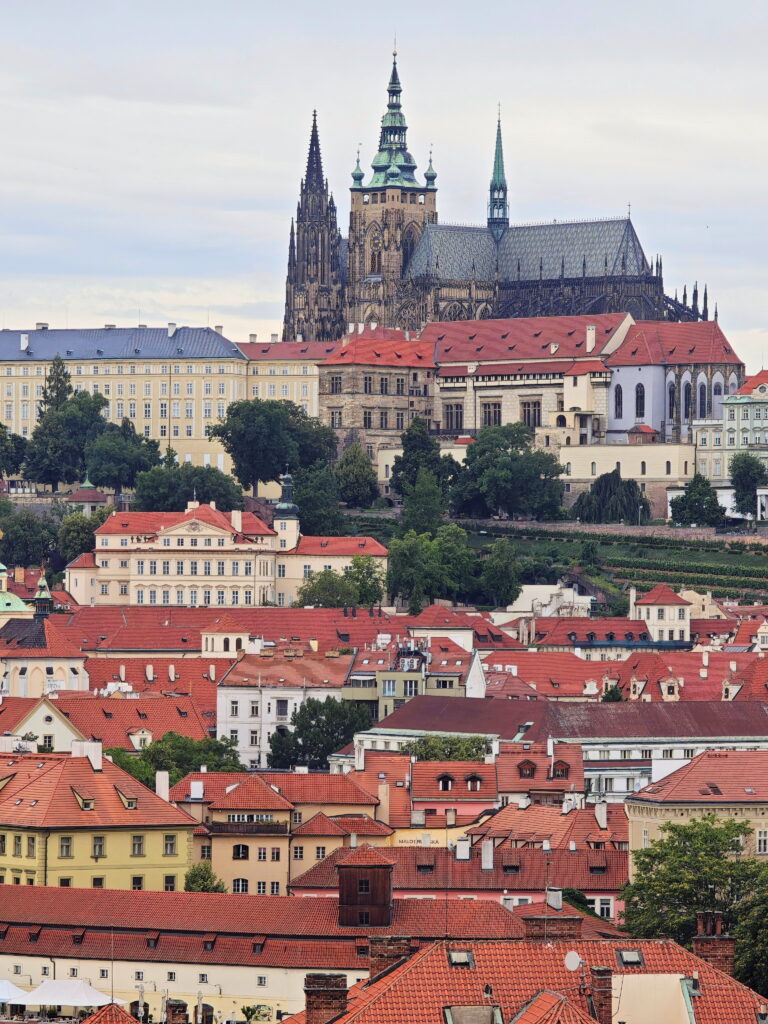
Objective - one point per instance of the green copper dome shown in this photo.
(393, 164)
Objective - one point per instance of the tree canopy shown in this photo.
(697, 504)
(201, 878)
(415, 571)
(76, 531)
(692, 867)
(420, 452)
(13, 449)
(327, 589)
(319, 728)
(442, 747)
(56, 449)
(423, 504)
(58, 386)
(500, 573)
(262, 437)
(169, 487)
(612, 500)
(179, 755)
(747, 473)
(368, 575)
(356, 478)
(316, 493)
(27, 538)
(751, 934)
(116, 457)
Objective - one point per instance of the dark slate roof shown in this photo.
(118, 343)
(24, 633)
(543, 250)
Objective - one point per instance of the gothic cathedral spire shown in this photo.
(498, 207)
(313, 290)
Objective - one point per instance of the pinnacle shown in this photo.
(314, 177)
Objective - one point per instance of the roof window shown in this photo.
(461, 958)
(630, 958)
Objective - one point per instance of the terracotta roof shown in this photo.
(714, 777)
(753, 382)
(293, 788)
(111, 1013)
(530, 826)
(367, 856)
(660, 343)
(314, 351)
(173, 677)
(87, 560)
(34, 638)
(309, 670)
(546, 368)
(555, 674)
(393, 351)
(14, 710)
(573, 631)
(662, 594)
(42, 792)
(566, 756)
(348, 546)
(342, 825)
(151, 523)
(518, 870)
(87, 494)
(588, 366)
(382, 767)
(249, 794)
(112, 720)
(426, 775)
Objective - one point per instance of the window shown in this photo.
(388, 687)
(298, 853)
(275, 853)
(702, 401)
(639, 402)
(319, 853)
(261, 980)
(491, 414)
(65, 846)
(171, 976)
(240, 885)
(530, 414)
(137, 883)
(261, 888)
(367, 385)
(202, 979)
(138, 976)
(137, 846)
(261, 853)
(445, 783)
(363, 886)
(618, 402)
(98, 847)
(335, 384)
(411, 688)
(336, 418)
(383, 420)
(363, 917)
(73, 972)
(762, 840)
(169, 846)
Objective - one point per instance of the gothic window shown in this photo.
(687, 401)
(702, 401)
(530, 414)
(639, 402)
(618, 402)
(671, 401)
(453, 416)
(560, 422)
(410, 238)
(375, 262)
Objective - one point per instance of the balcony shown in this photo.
(247, 828)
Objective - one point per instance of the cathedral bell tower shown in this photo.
(498, 207)
(387, 218)
(314, 287)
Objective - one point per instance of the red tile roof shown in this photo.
(530, 826)
(14, 710)
(294, 788)
(315, 351)
(248, 795)
(308, 670)
(566, 756)
(715, 777)
(753, 382)
(151, 523)
(346, 546)
(111, 1013)
(426, 775)
(669, 343)
(112, 720)
(558, 629)
(662, 594)
(172, 677)
(381, 767)
(367, 856)
(555, 674)
(342, 825)
(87, 494)
(394, 350)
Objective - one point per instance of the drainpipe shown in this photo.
(53, 966)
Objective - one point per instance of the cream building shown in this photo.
(204, 557)
(286, 371)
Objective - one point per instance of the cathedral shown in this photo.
(400, 268)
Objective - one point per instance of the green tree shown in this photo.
(420, 451)
(612, 500)
(201, 878)
(56, 450)
(751, 934)
(168, 488)
(75, 534)
(327, 589)
(415, 571)
(58, 386)
(179, 755)
(27, 538)
(457, 559)
(747, 473)
(612, 694)
(575, 898)
(442, 747)
(423, 505)
(503, 473)
(500, 573)
(692, 867)
(263, 437)
(356, 478)
(697, 504)
(13, 448)
(368, 575)
(317, 496)
(318, 729)
(590, 555)
(117, 456)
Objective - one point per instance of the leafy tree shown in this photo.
(500, 573)
(423, 506)
(328, 589)
(116, 457)
(13, 448)
(263, 437)
(56, 450)
(441, 747)
(590, 555)
(575, 898)
(368, 575)
(751, 934)
(317, 496)
(503, 473)
(692, 867)
(698, 504)
(420, 451)
(747, 472)
(249, 1012)
(58, 386)
(27, 538)
(356, 478)
(168, 488)
(76, 532)
(319, 728)
(201, 878)
(612, 500)
(457, 559)
(415, 570)
(612, 694)
(179, 755)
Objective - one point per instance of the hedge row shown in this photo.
(673, 565)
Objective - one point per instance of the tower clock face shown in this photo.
(376, 243)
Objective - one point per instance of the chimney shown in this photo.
(89, 749)
(382, 813)
(163, 785)
(171, 330)
(272, 338)
(554, 897)
(196, 789)
(219, 328)
(486, 855)
(462, 848)
(386, 950)
(237, 520)
(705, 658)
(23, 342)
(253, 338)
(450, 817)
(550, 926)
(41, 327)
(325, 997)
(711, 944)
(601, 814)
(632, 612)
(602, 994)
(591, 337)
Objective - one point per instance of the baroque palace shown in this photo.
(399, 268)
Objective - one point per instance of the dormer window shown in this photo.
(473, 783)
(445, 783)
(527, 769)
(560, 770)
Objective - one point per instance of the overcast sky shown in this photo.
(152, 150)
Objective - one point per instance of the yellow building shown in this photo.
(79, 821)
(287, 371)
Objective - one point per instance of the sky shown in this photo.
(152, 150)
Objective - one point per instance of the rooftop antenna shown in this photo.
(629, 210)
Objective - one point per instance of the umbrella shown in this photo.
(10, 993)
(67, 992)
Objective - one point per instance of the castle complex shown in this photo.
(399, 268)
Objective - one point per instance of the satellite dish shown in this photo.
(573, 961)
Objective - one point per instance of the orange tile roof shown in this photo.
(250, 794)
(14, 710)
(512, 755)
(552, 1008)
(660, 342)
(293, 788)
(393, 351)
(554, 673)
(314, 351)
(309, 670)
(172, 677)
(342, 825)
(111, 1013)
(112, 720)
(662, 594)
(716, 777)
(368, 856)
(347, 546)
(426, 775)
(150, 523)
(533, 824)
(394, 768)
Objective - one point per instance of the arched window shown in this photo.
(560, 422)
(567, 469)
(240, 885)
(240, 852)
(642, 469)
(669, 468)
(618, 402)
(445, 782)
(594, 469)
(640, 402)
(687, 390)
(671, 400)
(375, 262)
(702, 401)
(568, 439)
(226, 643)
(239, 643)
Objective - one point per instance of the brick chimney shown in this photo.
(711, 944)
(552, 926)
(602, 994)
(385, 950)
(325, 997)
